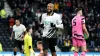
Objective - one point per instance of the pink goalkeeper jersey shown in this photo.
(77, 22)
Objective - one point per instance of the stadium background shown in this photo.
(29, 11)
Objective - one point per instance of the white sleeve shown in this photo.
(59, 22)
(24, 28)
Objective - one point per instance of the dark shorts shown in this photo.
(18, 43)
(49, 43)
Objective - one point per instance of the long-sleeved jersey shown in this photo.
(48, 31)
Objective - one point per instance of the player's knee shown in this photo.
(84, 49)
(53, 54)
(75, 51)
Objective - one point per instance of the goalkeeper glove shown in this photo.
(32, 53)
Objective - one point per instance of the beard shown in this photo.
(48, 12)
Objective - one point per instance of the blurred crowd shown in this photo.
(27, 10)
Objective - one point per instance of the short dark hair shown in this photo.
(78, 9)
(28, 28)
(19, 20)
(39, 42)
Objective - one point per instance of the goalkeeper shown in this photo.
(28, 50)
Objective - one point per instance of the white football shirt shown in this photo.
(46, 20)
(18, 30)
